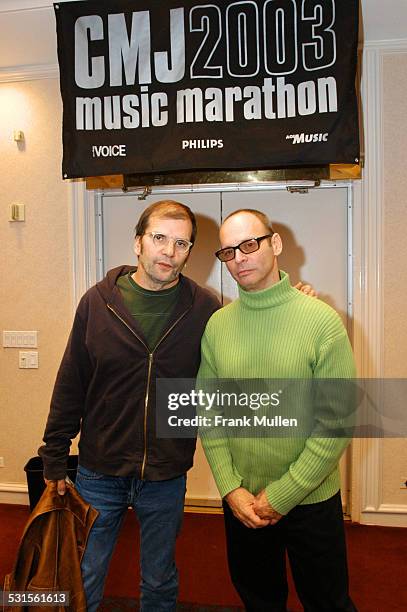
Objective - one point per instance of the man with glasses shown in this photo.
(280, 493)
(134, 326)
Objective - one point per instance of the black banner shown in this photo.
(153, 86)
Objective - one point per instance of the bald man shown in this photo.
(279, 494)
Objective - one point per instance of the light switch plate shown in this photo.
(28, 359)
(20, 339)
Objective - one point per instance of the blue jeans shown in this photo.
(159, 507)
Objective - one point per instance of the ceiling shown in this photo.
(27, 29)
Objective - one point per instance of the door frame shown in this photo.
(87, 237)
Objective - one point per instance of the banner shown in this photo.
(153, 86)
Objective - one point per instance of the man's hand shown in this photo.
(61, 485)
(307, 289)
(241, 503)
(263, 509)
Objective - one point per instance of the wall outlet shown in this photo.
(1, 462)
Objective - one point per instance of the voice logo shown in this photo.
(109, 151)
(302, 138)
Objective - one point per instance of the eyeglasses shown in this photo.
(247, 246)
(161, 240)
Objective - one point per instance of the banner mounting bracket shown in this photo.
(146, 192)
(298, 188)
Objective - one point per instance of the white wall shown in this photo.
(35, 263)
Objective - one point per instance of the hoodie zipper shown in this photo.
(150, 366)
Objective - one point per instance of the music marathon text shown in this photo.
(275, 99)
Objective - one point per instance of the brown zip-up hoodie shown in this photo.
(105, 387)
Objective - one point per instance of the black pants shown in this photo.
(313, 536)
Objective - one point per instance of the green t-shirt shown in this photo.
(152, 309)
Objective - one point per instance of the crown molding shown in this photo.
(14, 6)
(395, 45)
(12, 74)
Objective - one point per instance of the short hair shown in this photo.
(169, 209)
(257, 213)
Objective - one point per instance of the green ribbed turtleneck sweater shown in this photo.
(276, 333)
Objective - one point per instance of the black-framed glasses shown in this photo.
(247, 246)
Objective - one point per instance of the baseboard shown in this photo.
(13, 493)
(203, 502)
(387, 515)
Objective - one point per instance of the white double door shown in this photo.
(316, 249)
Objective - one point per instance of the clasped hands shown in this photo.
(253, 511)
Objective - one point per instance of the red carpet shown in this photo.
(117, 604)
(377, 560)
